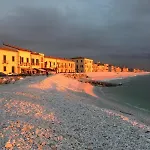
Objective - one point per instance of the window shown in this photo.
(41, 59)
(77, 61)
(54, 63)
(50, 63)
(46, 64)
(69, 64)
(37, 61)
(81, 60)
(13, 69)
(32, 61)
(4, 58)
(27, 60)
(13, 58)
(77, 66)
(4, 68)
(22, 59)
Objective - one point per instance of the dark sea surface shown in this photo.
(132, 98)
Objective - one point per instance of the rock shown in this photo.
(8, 145)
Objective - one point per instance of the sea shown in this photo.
(131, 99)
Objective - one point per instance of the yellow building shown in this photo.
(50, 62)
(113, 69)
(95, 67)
(26, 60)
(125, 69)
(8, 60)
(65, 65)
(136, 70)
(59, 64)
(106, 68)
(118, 69)
(83, 64)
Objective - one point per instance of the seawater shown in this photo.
(133, 97)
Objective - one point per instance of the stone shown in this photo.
(8, 145)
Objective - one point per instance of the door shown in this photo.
(13, 69)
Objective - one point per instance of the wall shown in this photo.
(25, 55)
(64, 65)
(50, 62)
(88, 65)
(35, 57)
(9, 63)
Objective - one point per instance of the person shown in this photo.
(47, 73)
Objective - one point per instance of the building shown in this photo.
(37, 62)
(118, 69)
(95, 67)
(60, 65)
(83, 64)
(137, 70)
(113, 69)
(99, 67)
(23, 60)
(125, 69)
(8, 60)
(106, 68)
(65, 65)
(50, 62)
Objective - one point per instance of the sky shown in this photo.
(111, 31)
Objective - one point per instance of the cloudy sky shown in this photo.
(113, 31)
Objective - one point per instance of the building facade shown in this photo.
(50, 62)
(83, 64)
(125, 69)
(8, 60)
(19, 60)
(60, 65)
(65, 65)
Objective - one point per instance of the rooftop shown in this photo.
(8, 49)
(16, 47)
(81, 58)
(53, 57)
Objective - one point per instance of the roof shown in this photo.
(81, 58)
(51, 57)
(59, 58)
(16, 47)
(35, 53)
(8, 49)
(39, 69)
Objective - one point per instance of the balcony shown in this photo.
(4, 62)
(25, 64)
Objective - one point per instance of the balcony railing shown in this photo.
(25, 64)
(4, 62)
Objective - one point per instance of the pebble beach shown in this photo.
(48, 113)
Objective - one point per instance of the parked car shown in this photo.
(2, 74)
(12, 74)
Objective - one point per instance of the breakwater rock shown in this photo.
(101, 83)
(11, 79)
(76, 75)
(82, 77)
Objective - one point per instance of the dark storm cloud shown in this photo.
(101, 30)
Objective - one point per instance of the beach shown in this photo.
(54, 113)
(114, 75)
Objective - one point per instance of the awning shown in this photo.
(39, 69)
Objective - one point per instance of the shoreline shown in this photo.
(123, 108)
(108, 76)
